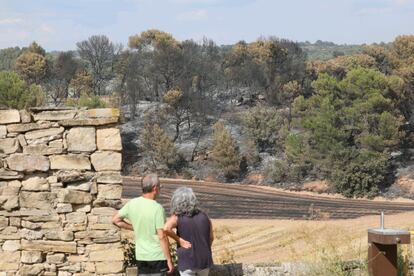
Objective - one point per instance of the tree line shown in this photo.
(340, 119)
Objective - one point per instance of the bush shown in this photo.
(89, 101)
(225, 152)
(283, 172)
(265, 126)
(362, 176)
(158, 147)
(16, 94)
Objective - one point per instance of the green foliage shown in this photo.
(129, 252)
(8, 57)
(351, 126)
(85, 100)
(323, 50)
(15, 93)
(362, 176)
(264, 125)
(32, 64)
(158, 147)
(225, 152)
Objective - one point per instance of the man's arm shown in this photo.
(121, 223)
(165, 246)
(168, 228)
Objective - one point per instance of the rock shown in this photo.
(106, 191)
(15, 222)
(80, 186)
(110, 177)
(11, 245)
(56, 144)
(109, 267)
(89, 122)
(25, 116)
(10, 233)
(109, 139)
(49, 132)
(41, 149)
(22, 140)
(55, 115)
(11, 189)
(99, 113)
(107, 255)
(32, 257)
(35, 184)
(64, 208)
(7, 267)
(30, 234)
(81, 139)
(11, 203)
(25, 213)
(9, 175)
(19, 128)
(10, 257)
(52, 179)
(74, 197)
(76, 217)
(59, 235)
(37, 200)
(72, 176)
(28, 162)
(55, 258)
(117, 204)
(83, 208)
(9, 116)
(3, 223)
(9, 261)
(3, 131)
(9, 145)
(96, 234)
(45, 218)
(31, 270)
(31, 225)
(51, 246)
(104, 211)
(106, 160)
(70, 162)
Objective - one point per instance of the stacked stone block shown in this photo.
(60, 184)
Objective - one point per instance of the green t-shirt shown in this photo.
(146, 216)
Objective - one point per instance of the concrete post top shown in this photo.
(388, 231)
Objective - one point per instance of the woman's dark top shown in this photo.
(196, 230)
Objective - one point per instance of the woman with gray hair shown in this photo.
(194, 233)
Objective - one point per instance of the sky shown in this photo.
(59, 24)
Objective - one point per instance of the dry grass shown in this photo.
(268, 241)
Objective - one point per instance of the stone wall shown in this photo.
(60, 184)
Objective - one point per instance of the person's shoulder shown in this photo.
(134, 200)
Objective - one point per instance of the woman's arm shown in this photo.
(211, 232)
(168, 228)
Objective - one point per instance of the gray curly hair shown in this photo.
(184, 202)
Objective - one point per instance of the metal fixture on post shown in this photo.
(382, 250)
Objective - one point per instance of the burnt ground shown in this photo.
(236, 201)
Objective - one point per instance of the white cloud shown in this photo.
(195, 15)
(44, 28)
(374, 11)
(403, 2)
(10, 21)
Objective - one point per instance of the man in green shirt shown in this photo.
(146, 218)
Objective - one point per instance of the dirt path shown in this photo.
(235, 201)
